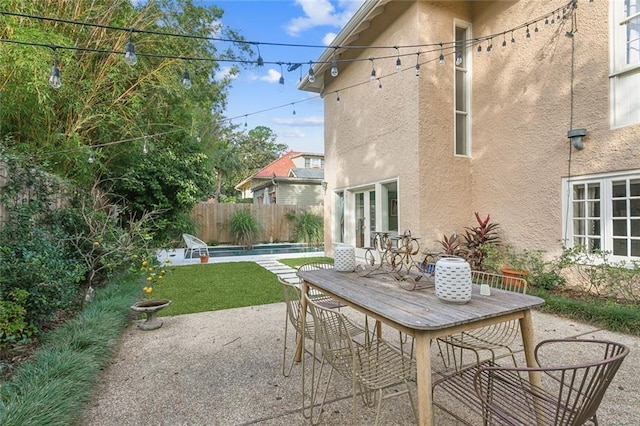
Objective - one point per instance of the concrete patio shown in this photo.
(224, 368)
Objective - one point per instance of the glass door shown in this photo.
(365, 215)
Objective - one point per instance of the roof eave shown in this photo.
(358, 23)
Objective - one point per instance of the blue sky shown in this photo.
(312, 22)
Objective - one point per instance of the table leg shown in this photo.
(423, 379)
(526, 328)
(302, 317)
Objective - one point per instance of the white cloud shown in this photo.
(309, 121)
(293, 133)
(226, 72)
(328, 38)
(322, 12)
(273, 76)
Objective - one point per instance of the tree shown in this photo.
(109, 111)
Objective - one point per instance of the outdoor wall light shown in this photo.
(576, 136)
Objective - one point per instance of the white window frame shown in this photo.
(624, 66)
(606, 209)
(466, 68)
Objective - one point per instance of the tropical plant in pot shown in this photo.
(478, 238)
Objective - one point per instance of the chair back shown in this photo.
(571, 392)
(499, 281)
(331, 332)
(291, 293)
(192, 242)
(314, 266)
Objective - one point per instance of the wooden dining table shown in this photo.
(423, 316)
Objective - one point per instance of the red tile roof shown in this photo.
(278, 168)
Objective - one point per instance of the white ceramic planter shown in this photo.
(344, 258)
(453, 280)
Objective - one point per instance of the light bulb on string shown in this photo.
(90, 160)
(379, 85)
(398, 61)
(294, 110)
(55, 81)
(334, 68)
(245, 121)
(441, 57)
(281, 79)
(479, 49)
(513, 39)
(337, 97)
(546, 20)
(535, 29)
(418, 64)
(145, 150)
(198, 138)
(373, 71)
(489, 46)
(504, 40)
(528, 34)
(259, 61)
(186, 80)
(312, 73)
(130, 56)
(458, 59)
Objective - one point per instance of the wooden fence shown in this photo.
(212, 220)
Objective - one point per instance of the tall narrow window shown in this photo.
(625, 61)
(339, 217)
(462, 128)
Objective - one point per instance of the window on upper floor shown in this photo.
(624, 61)
(313, 163)
(603, 213)
(462, 98)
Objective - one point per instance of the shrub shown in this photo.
(14, 327)
(308, 228)
(244, 228)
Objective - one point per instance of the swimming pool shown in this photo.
(258, 249)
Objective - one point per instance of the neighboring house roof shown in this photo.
(303, 173)
(282, 168)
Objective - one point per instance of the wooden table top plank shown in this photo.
(417, 309)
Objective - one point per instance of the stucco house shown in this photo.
(477, 118)
(296, 178)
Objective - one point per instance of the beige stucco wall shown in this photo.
(521, 111)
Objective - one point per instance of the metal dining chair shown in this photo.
(292, 297)
(490, 338)
(570, 394)
(372, 366)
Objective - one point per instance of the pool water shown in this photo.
(258, 249)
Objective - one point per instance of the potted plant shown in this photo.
(204, 257)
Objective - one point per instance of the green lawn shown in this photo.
(211, 287)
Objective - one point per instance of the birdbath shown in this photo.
(151, 308)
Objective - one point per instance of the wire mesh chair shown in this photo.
(372, 367)
(490, 338)
(292, 296)
(570, 394)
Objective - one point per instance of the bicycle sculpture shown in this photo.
(395, 256)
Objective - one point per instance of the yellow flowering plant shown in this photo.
(152, 270)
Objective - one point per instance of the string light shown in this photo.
(528, 34)
(458, 59)
(513, 39)
(130, 56)
(398, 61)
(479, 49)
(334, 68)
(337, 97)
(198, 138)
(186, 80)
(489, 46)
(144, 147)
(281, 79)
(441, 58)
(294, 110)
(504, 40)
(54, 77)
(334, 65)
(379, 85)
(418, 64)
(373, 71)
(259, 61)
(245, 121)
(90, 160)
(312, 74)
